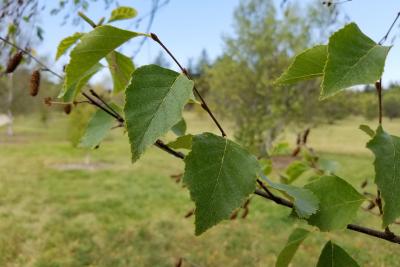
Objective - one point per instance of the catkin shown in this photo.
(13, 62)
(67, 109)
(35, 83)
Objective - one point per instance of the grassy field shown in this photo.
(58, 210)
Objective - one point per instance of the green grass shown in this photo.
(121, 214)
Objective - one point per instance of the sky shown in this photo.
(189, 26)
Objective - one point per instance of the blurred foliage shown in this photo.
(242, 80)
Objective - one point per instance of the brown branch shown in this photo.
(203, 102)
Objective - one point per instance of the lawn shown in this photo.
(62, 206)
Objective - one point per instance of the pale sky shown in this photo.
(188, 26)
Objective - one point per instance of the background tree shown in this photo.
(242, 80)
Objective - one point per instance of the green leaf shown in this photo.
(155, 99)
(366, 129)
(295, 239)
(122, 12)
(266, 165)
(67, 43)
(180, 128)
(328, 166)
(386, 149)
(307, 65)
(121, 69)
(353, 59)
(93, 46)
(338, 203)
(220, 176)
(334, 256)
(305, 202)
(182, 142)
(70, 93)
(97, 129)
(295, 170)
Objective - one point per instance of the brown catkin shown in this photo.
(35, 83)
(67, 109)
(13, 62)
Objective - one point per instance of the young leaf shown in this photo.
(154, 103)
(353, 59)
(305, 202)
(328, 166)
(220, 176)
(122, 12)
(180, 128)
(295, 170)
(334, 256)
(307, 65)
(97, 129)
(386, 149)
(121, 69)
(68, 94)
(338, 203)
(182, 142)
(295, 239)
(67, 43)
(93, 46)
(366, 129)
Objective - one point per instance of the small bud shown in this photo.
(35, 83)
(189, 213)
(364, 184)
(13, 62)
(47, 101)
(179, 262)
(305, 136)
(67, 109)
(245, 213)
(296, 152)
(234, 215)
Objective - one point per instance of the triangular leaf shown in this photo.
(121, 69)
(155, 99)
(338, 203)
(220, 176)
(122, 12)
(182, 142)
(97, 129)
(293, 243)
(94, 46)
(180, 128)
(295, 170)
(366, 129)
(386, 149)
(305, 202)
(70, 93)
(353, 59)
(307, 65)
(67, 43)
(334, 256)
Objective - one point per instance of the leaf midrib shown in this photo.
(157, 110)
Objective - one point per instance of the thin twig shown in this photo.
(105, 104)
(203, 102)
(384, 38)
(93, 102)
(32, 57)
